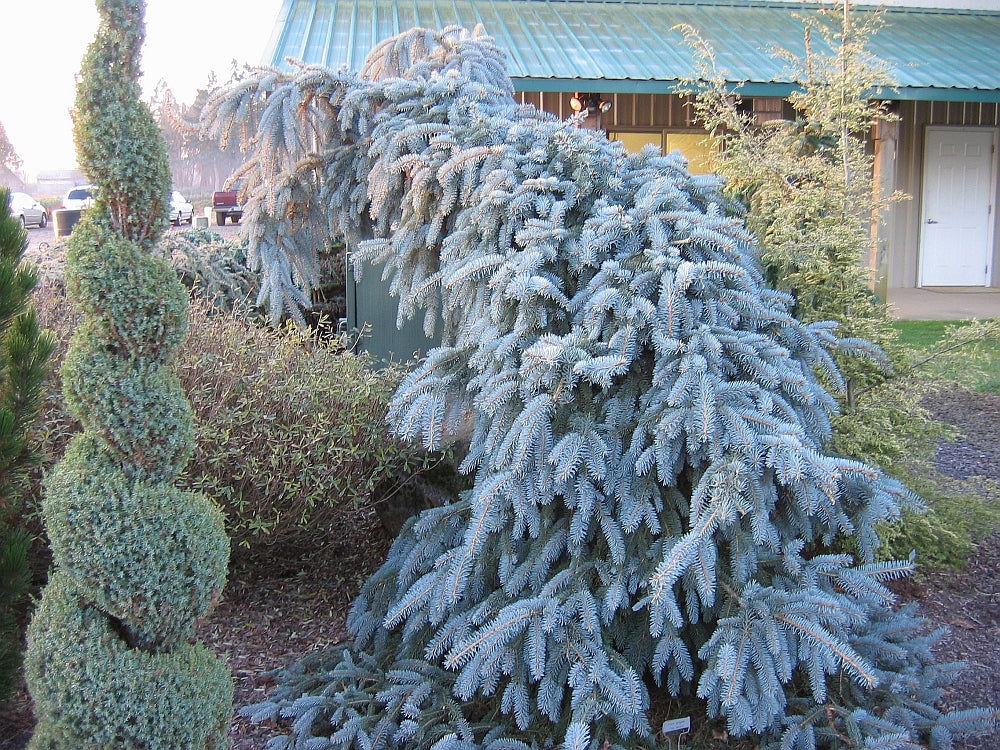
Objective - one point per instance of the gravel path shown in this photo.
(968, 601)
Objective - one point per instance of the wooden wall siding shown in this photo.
(628, 111)
(900, 235)
(915, 116)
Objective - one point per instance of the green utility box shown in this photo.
(371, 309)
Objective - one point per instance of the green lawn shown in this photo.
(975, 365)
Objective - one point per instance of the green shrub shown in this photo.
(959, 513)
(137, 562)
(290, 430)
(78, 661)
(180, 580)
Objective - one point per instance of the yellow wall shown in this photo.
(694, 146)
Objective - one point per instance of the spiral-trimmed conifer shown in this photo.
(137, 562)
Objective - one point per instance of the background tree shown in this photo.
(652, 508)
(8, 156)
(24, 354)
(111, 660)
(195, 162)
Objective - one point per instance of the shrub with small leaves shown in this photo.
(246, 383)
(114, 696)
(291, 430)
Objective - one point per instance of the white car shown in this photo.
(27, 210)
(80, 197)
(180, 210)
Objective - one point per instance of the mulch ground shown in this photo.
(967, 601)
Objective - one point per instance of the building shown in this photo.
(57, 182)
(944, 56)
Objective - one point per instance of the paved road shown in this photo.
(945, 303)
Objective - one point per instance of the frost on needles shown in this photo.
(653, 512)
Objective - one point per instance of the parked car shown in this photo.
(80, 197)
(180, 210)
(27, 210)
(226, 206)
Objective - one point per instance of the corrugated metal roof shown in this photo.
(632, 45)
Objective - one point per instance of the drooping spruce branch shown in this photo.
(111, 659)
(652, 507)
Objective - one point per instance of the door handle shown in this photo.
(931, 221)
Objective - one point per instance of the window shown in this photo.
(635, 142)
(700, 153)
(693, 144)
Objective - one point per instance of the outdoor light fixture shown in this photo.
(590, 102)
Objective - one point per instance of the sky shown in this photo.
(44, 42)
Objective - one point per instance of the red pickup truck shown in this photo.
(225, 204)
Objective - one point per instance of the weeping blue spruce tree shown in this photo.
(111, 661)
(653, 513)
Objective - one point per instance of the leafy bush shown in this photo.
(291, 430)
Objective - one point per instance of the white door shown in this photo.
(956, 223)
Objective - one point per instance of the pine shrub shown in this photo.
(652, 509)
(137, 562)
(15, 583)
(24, 355)
(212, 267)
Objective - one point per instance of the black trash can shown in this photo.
(64, 220)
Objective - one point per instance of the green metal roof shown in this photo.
(631, 45)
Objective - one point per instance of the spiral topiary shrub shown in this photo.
(137, 561)
(97, 680)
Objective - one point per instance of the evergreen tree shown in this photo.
(194, 162)
(8, 156)
(111, 660)
(24, 353)
(652, 510)
(808, 187)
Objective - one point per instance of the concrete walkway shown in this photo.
(945, 303)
